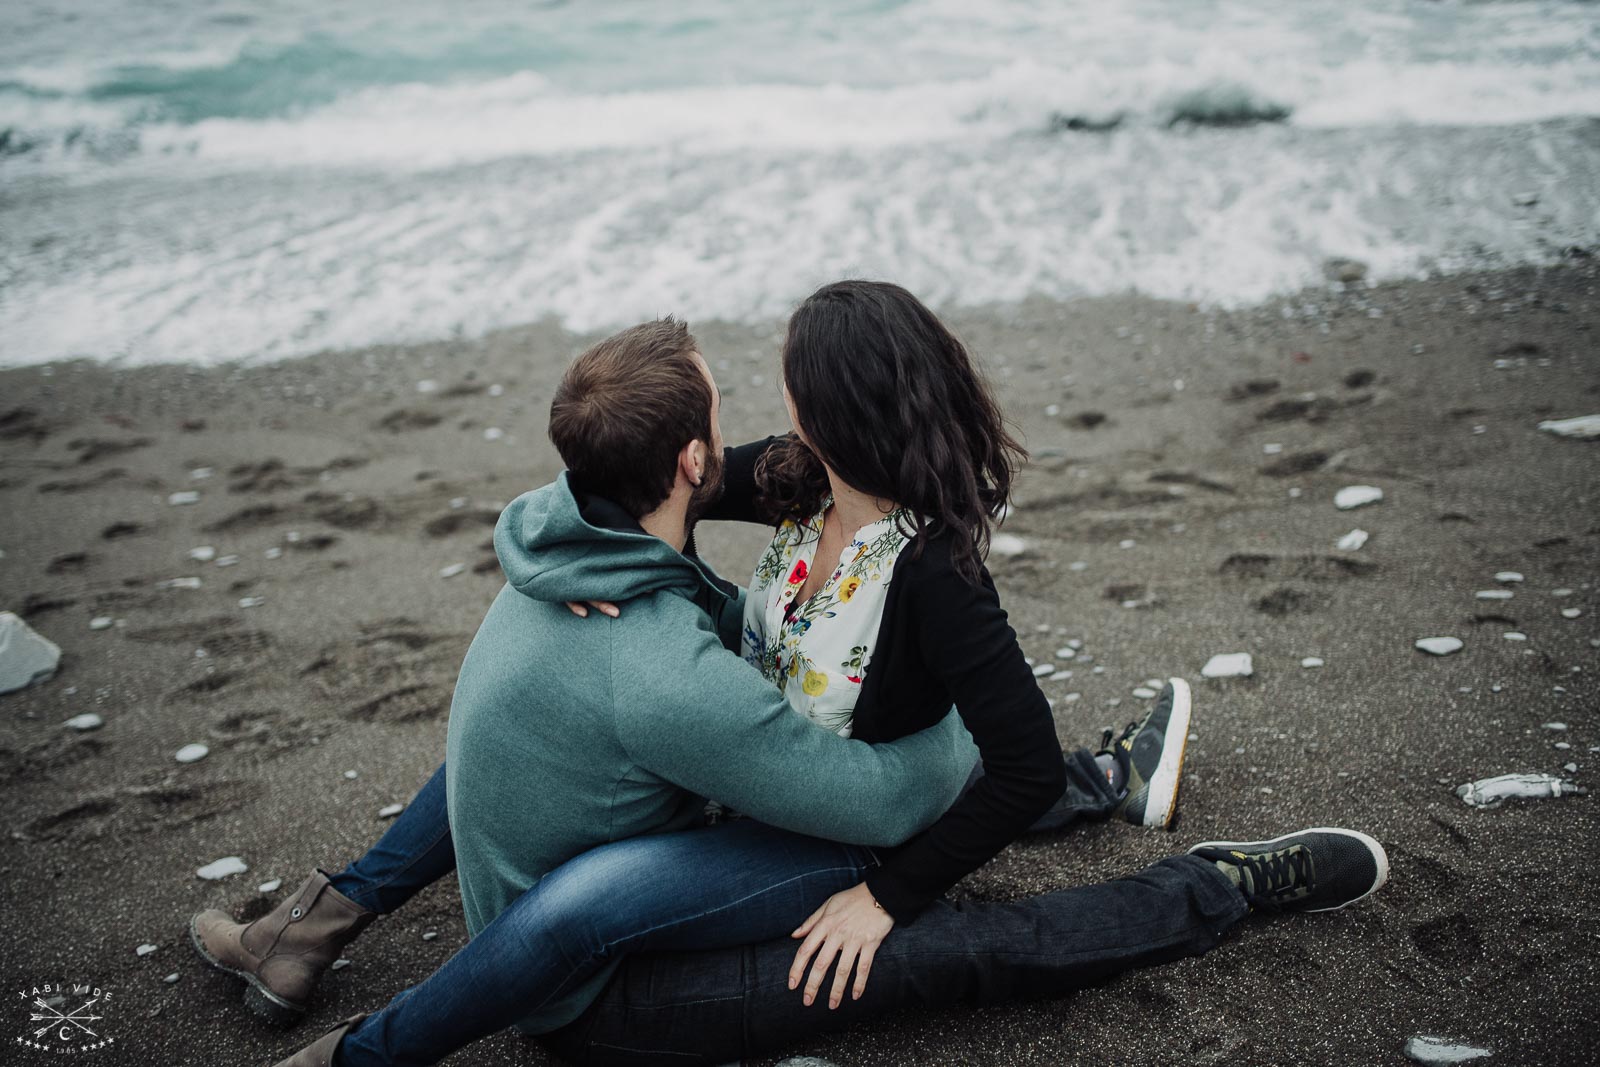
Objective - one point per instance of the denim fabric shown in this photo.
(413, 853)
(737, 883)
(718, 1006)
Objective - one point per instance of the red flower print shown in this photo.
(798, 575)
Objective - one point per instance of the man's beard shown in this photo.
(709, 491)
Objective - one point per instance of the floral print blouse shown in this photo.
(816, 653)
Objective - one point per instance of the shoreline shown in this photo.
(346, 659)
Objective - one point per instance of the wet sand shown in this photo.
(345, 491)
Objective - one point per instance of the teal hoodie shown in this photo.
(567, 733)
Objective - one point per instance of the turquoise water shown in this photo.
(210, 181)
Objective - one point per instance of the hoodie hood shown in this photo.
(560, 544)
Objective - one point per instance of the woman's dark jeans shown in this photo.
(715, 1007)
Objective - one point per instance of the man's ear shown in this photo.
(692, 462)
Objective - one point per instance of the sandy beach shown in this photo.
(1180, 504)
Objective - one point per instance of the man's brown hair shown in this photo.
(625, 409)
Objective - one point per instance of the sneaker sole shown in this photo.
(1378, 854)
(1162, 798)
(257, 997)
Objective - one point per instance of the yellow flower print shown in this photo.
(815, 683)
(794, 667)
(847, 589)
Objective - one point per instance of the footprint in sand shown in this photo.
(1290, 568)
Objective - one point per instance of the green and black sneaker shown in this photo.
(1320, 869)
(1151, 756)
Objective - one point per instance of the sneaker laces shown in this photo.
(1275, 877)
(1107, 745)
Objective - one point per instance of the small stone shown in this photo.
(1560, 592)
(191, 753)
(1571, 613)
(252, 601)
(1352, 540)
(497, 390)
(427, 385)
(1493, 594)
(1555, 726)
(1066, 652)
(1508, 576)
(1228, 665)
(339, 964)
(203, 554)
(1075, 644)
(493, 433)
(1070, 697)
(389, 811)
(1311, 661)
(179, 583)
(25, 656)
(452, 570)
(1007, 545)
(457, 503)
(293, 536)
(1144, 693)
(1440, 646)
(1514, 636)
(227, 561)
(226, 867)
(1570, 768)
(1562, 745)
(430, 935)
(144, 950)
(1044, 670)
(351, 775)
(1295, 492)
(1272, 450)
(101, 622)
(270, 887)
(85, 722)
(274, 552)
(1077, 565)
(1423, 1049)
(171, 979)
(200, 474)
(187, 496)
(1126, 542)
(1583, 427)
(1355, 496)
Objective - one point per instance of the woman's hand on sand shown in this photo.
(604, 607)
(850, 925)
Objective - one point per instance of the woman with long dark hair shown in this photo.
(872, 611)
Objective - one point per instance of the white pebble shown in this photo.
(1508, 576)
(497, 390)
(179, 583)
(144, 950)
(1075, 643)
(1514, 636)
(1440, 646)
(351, 775)
(457, 503)
(452, 570)
(1562, 745)
(1571, 613)
(1493, 594)
(427, 385)
(339, 965)
(171, 979)
(1426, 1049)
(227, 561)
(493, 433)
(292, 536)
(187, 496)
(1555, 726)
(101, 622)
(274, 552)
(1272, 449)
(1070, 697)
(1311, 661)
(1352, 540)
(1228, 665)
(252, 601)
(1582, 426)
(1126, 542)
(1355, 496)
(1144, 693)
(200, 474)
(1007, 545)
(1066, 652)
(1560, 592)
(1077, 565)
(389, 811)
(85, 722)
(203, 553)
(191, 753)
(1294, 493)
(270, 887)
(226, 867)
(1044, 670)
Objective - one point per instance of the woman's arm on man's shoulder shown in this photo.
(738, 501)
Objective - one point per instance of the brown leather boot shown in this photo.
(320, 1052)
(282, 954)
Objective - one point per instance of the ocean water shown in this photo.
(207, 181)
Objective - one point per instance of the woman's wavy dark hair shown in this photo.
(891, 401)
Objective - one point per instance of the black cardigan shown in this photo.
(942, 641)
